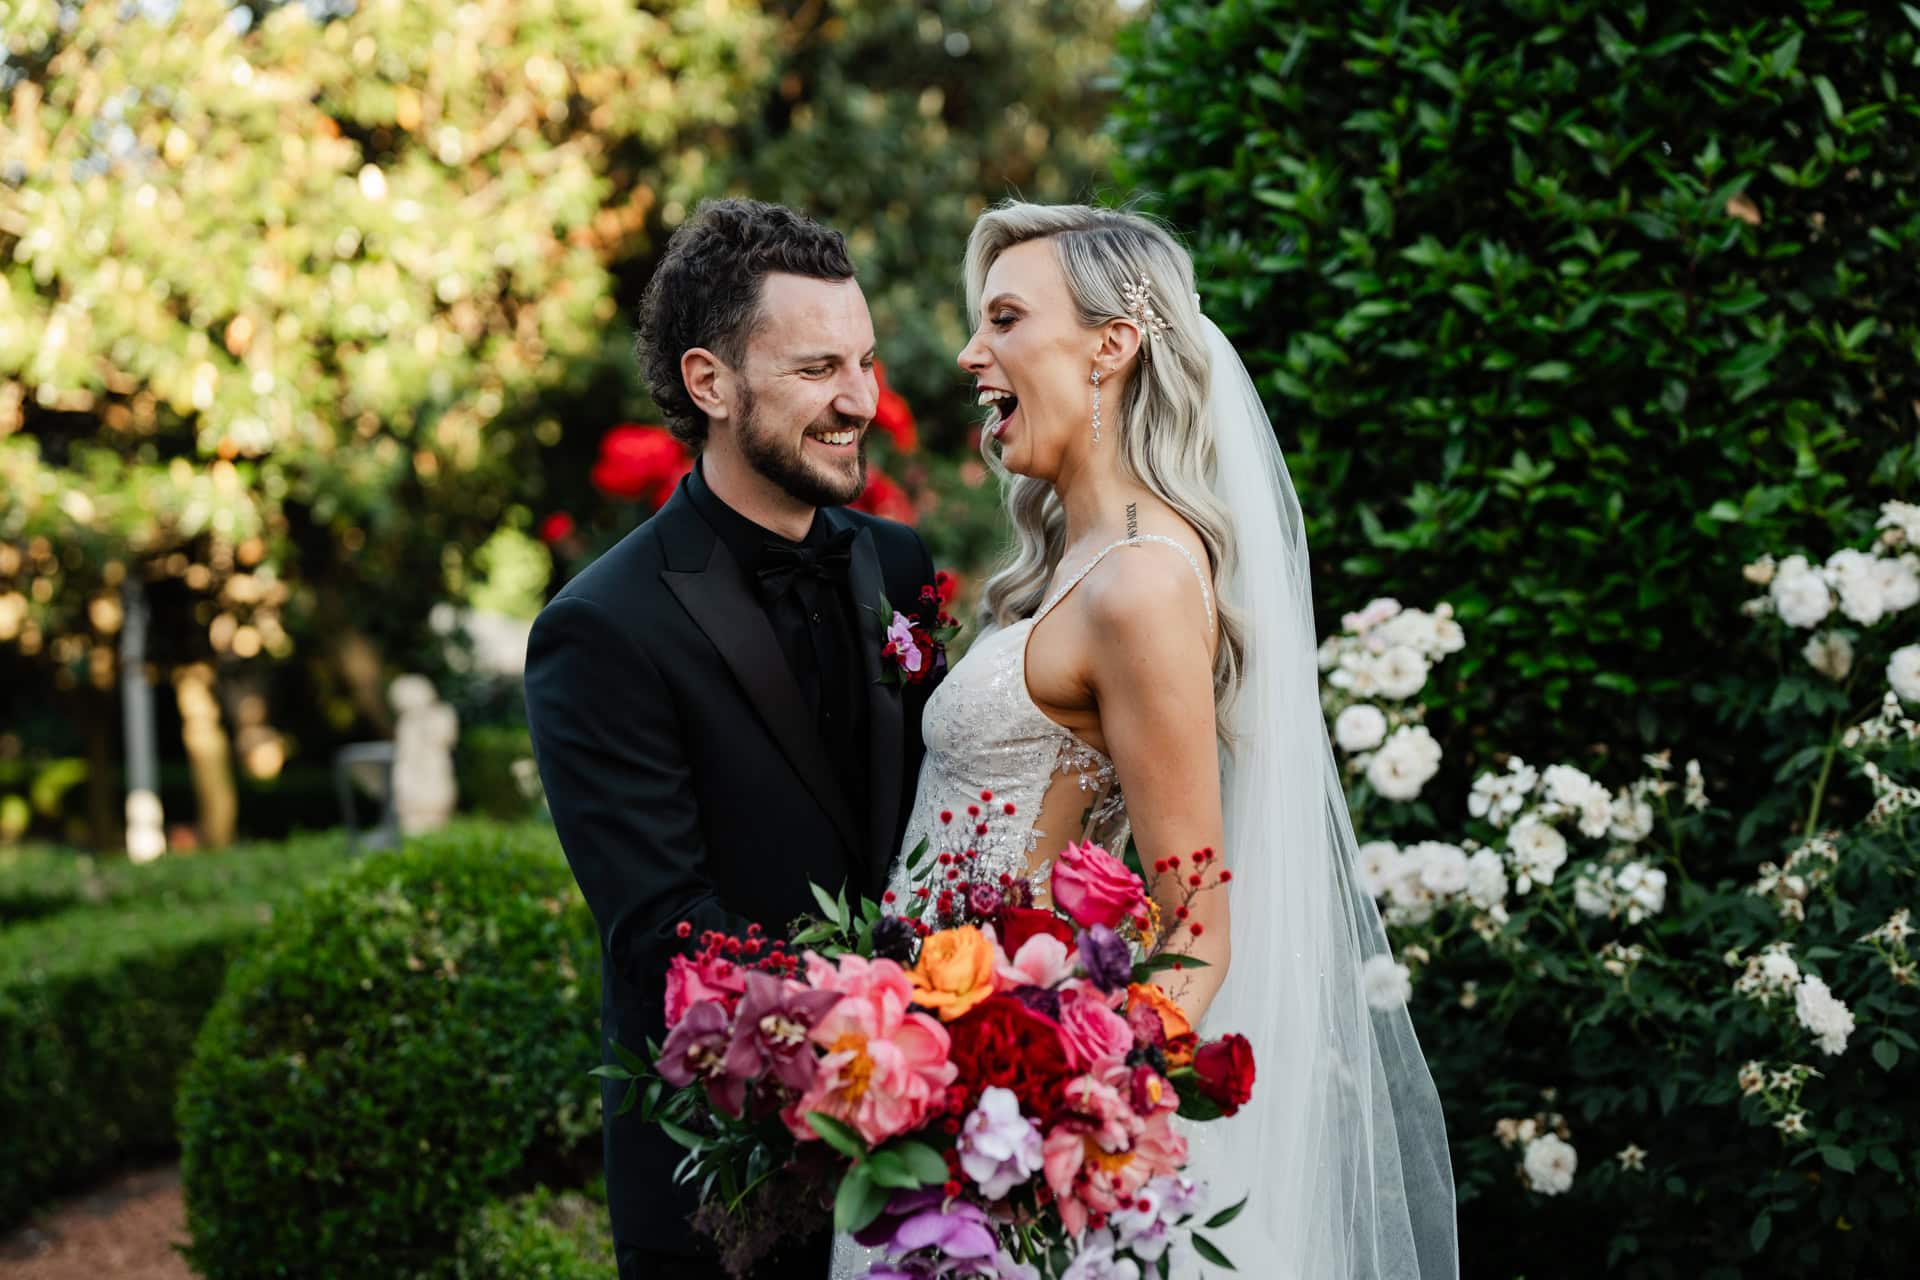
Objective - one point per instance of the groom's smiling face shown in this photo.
(804, 399)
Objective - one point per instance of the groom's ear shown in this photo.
(709, 382)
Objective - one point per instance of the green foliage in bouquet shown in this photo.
(103, 990)
(1560, 307)
(319, 1135)
(541, 1235)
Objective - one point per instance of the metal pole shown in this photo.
(146, 835)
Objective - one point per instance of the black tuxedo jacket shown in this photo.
(689, 783)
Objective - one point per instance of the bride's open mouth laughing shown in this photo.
(1005, 401)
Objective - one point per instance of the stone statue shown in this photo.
(424, 732)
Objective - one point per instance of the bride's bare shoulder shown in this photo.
(1152, 594)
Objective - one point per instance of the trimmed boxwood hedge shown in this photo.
(37, 881)
(411, 1041)
(543, 1235)
(1563, 310)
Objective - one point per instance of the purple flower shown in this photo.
(900, 636)
(926, 1219)
(1105, 957)
(770, 1030)
(999, 1147)
(894, 939)
(696, 1049)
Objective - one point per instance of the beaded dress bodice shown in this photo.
(984, 733)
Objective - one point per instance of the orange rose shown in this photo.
(955, 972)
(1146, 1003)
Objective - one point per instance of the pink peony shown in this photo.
(885, 1067)
(709, 978)
(1092, 1032)
(1090, 1174)
(1094, 887)
(1042, 961)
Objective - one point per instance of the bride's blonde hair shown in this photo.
(1160, 426)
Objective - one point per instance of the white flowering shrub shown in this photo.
(1373, 673)
(1717, 1008)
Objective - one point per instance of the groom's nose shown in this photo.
(857, 394)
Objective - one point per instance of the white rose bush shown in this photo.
(1697, 1022)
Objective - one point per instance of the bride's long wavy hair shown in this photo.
(1160, 427)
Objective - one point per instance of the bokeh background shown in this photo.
(1578, 319)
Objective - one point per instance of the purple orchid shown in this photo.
(926, 1219)
(1105, 957)
(696, 1049)
(770, 1030)
(999, 1147)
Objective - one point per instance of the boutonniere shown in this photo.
(916, 642)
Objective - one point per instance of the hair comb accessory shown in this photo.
(1139, 298)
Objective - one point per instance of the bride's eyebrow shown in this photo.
(999, 298)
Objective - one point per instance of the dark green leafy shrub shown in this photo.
(543, 1235)
(40, 881)
(1563, 309)
(484, 767)
(412, 1041)
(98, 1012)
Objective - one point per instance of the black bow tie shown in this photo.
(781, 563)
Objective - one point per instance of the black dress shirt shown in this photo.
(817, 630)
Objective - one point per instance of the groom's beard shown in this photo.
(783, 459)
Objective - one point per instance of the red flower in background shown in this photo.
(639, 464)
(556, 528)
(884, 498)
(893, 416)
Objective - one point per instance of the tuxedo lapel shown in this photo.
(716, 597)
(884, 715)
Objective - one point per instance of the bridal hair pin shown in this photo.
(1140, 308)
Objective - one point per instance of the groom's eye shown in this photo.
(816, 371)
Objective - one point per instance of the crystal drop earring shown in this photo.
(1096, 406)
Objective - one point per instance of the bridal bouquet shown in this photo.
(988, 1085)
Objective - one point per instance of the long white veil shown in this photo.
(1343, 1149)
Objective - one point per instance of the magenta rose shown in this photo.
(709, 978)
(1092, 1032)
(1094, 887)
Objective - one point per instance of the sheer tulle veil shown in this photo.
(1343, 1150)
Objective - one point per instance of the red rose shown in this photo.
(1004, 1043)
(946, 586)
(893, 416)
(1224, 1069)
(1017, 924)
(640, 464)
(556, 528)
(883, 498)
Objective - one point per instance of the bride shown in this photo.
(1147, 668)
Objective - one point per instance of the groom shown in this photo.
(706, 698)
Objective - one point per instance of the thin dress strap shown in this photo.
(1206, 592)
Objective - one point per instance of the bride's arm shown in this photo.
(1152, 675)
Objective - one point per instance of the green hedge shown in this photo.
(483, 766)
(543, 1235)
(411, 1041)
(39, 881)
(1563, 309)
(98, 1012)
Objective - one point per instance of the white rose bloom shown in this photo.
(1400, 672)
(1800, 595)
(1645, 888)
(1903, 672)
(1777, 969)
(1448, 637)
(1760, 572)
(1443, 867)
(1486, 879)
(1329, 653)
(1824, 1014)
(1904, 516)
(1387, 982)
(1539, 851)
(1361, 727)
(1550, 1164)
(1376, 612)
(1831, 654)
(1854, 575)
(1632, 818)
(1405, 763)
(1590, 896)
(1899, 582)
(1378, 863)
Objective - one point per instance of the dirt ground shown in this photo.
(121, 1230)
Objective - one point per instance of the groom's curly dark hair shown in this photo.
(706, 292)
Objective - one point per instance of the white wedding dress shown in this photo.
(985, 733)
(1342, 1151)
